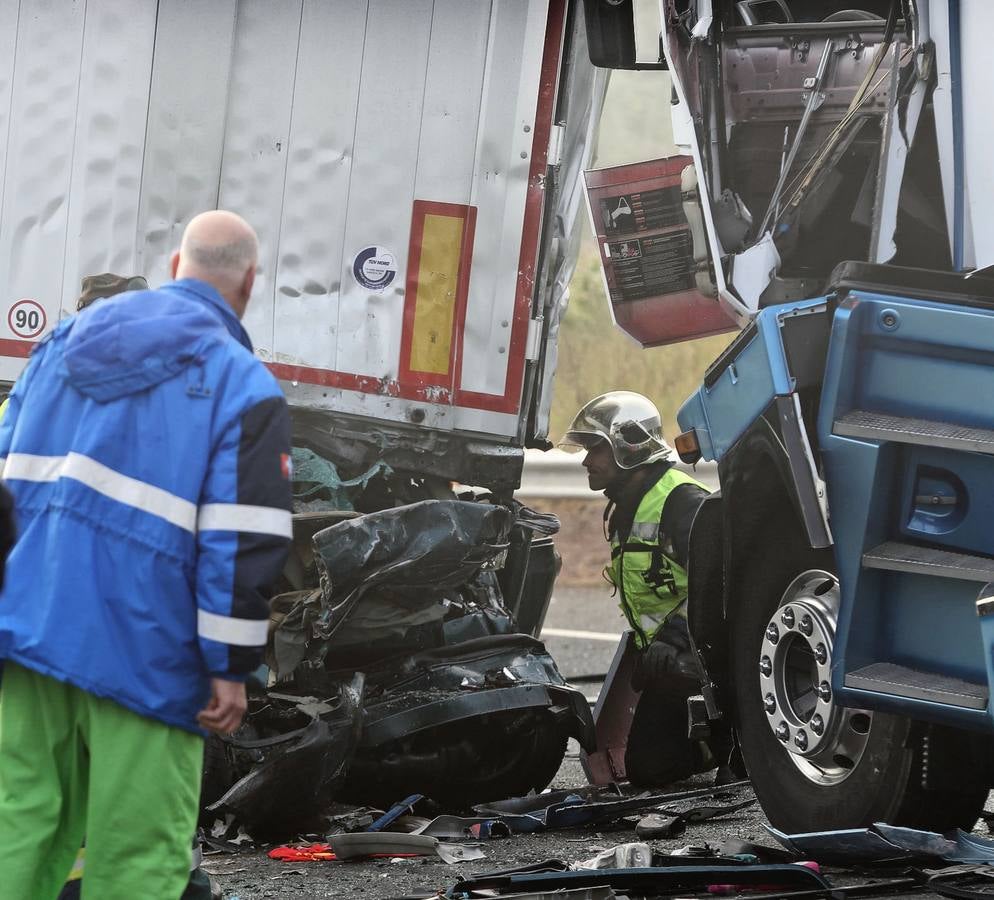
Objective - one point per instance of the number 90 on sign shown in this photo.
(26, 318)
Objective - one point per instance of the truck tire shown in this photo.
(814, 765)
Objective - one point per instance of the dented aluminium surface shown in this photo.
(450, 701)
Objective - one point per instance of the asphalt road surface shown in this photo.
(582, 630)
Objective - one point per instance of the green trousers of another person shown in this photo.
(75, 765)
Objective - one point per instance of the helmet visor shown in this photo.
(575, 441)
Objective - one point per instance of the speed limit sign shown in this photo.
(26, 318)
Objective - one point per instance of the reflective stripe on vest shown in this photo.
(651, 584)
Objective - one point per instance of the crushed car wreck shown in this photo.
(403, 670)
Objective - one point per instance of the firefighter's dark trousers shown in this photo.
(659, 751)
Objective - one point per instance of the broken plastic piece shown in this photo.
(381, 843)
(395, 812)
(656, 825)
(366, 843)
(624, 856)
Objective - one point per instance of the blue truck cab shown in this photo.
(855, 449)
(842, 579)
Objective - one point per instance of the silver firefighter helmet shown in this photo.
(628, 421)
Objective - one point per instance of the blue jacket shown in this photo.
(148, 452)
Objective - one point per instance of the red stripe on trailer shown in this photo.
(19, 349)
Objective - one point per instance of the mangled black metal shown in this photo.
(390, 580)
(278, 776)
(456, 704)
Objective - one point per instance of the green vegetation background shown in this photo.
(594, 355)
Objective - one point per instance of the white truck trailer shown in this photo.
(412, 169)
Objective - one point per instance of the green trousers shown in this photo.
(72, 764)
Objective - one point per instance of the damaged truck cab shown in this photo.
(841, 579)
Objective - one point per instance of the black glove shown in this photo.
(670, 654)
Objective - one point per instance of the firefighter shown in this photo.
(651, 507)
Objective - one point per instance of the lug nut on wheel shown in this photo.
(772, 633)
(825, 691)
(801, 740)
(821, 654)
(766, 667)
(770, 703)
(806, 626)
(783, 732)
(788, 618)
(817, 725)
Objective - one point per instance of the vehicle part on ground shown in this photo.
(646, 881)
(572, 808)
(634, 855)
(864, 768)
(882, 843)
(279, 772)
(613, 715)
(973, 884)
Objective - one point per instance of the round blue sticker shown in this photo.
(374, 268)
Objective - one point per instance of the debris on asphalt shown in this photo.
(648, 881)
(376, 845)
(886, 844)
(624, 856)
(594, 806)
(405, 806)
(659, 825)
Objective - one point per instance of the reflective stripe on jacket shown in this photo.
(148, 452)
(651, 584)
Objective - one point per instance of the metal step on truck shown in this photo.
(842, 580)
(413, 170)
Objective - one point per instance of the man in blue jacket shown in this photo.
(148, 452)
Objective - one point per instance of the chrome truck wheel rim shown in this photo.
(822, 739)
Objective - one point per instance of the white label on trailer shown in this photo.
(374, 268)
(26, 318)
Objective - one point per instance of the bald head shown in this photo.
(220, 248)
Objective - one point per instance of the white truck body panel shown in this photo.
(965, 122)
(411, 137)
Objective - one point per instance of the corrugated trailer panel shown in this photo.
(185, 135)
(322, 133)
(385, 152)
(257, 140)
(388, 126)
(42, 128)
(102, 228)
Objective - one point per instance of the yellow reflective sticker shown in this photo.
(438, 281)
